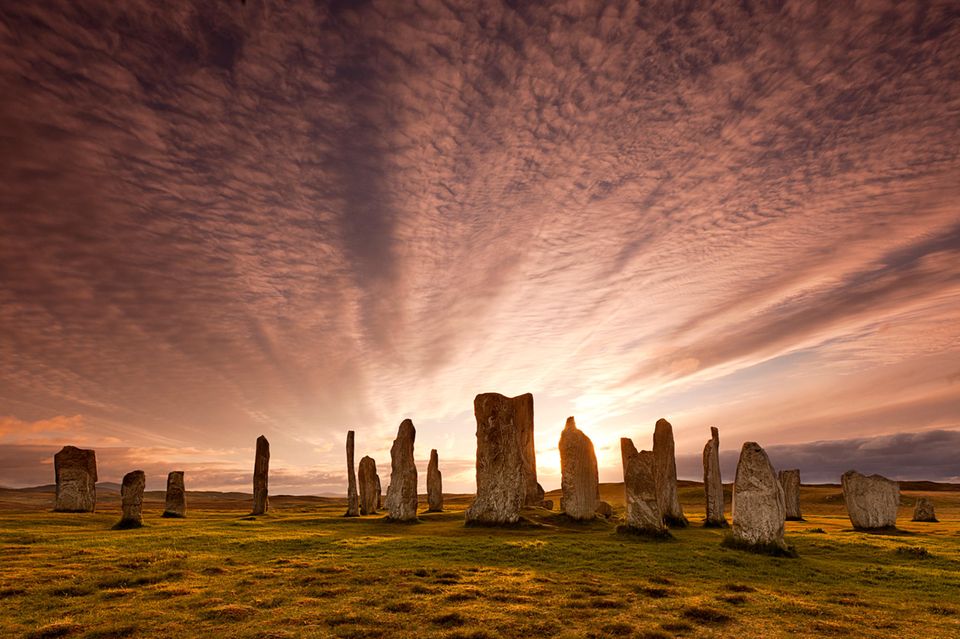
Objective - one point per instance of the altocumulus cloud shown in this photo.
(227, 219)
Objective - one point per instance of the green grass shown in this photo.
(305, 571)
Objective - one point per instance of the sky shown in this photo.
(221, 220)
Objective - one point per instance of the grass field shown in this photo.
(305, 571)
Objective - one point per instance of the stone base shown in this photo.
(716, 524)
(390, 520)
(645, 533)
(169, 515)
(774, 550)
(127, 524)
(795, 519)
(676, 522)
(930, 520)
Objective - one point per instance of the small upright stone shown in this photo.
(580, 479)
(666, 468)
(176, 503)
(604, 510)
(871, 501)
(502, 482)
(353, 500)
(790, 481)
(640, 492)
(261, 470)
(923, 510)
(758, 508)
(434, 484)
(369, 486)
(402, 491)
(75, 470)
(712, 484)
(131, 500)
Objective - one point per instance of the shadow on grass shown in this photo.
(889, 531)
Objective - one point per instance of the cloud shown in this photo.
(222, 221)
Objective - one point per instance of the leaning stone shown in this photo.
(604, 510)
(502, 481)
(871, 501)
(627, 450)
(758, 508)
(580, 479)
(434, 484)
(923, 510)
(131, 500)
(640, 493)
(353, 500)
(712, 484)
(666, 469)
(790, 481)
(402, 491)
(261, 471)
(176, 503)
(75, 470)
(369, 486)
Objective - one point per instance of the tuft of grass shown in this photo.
(654, 592)
(112, 632)
(816, 531)
(739, 588)
(706, 615)
(449, 620)
(913, 552)
(232, 612)
(54, 630)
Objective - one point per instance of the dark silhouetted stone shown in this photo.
(176, 502)
(580, 480)
(261, 471)
(871, 501)
(402, 491)
(353, 500)
(131, 500)
(434, 484)
(712, 484)
(666, 468)
(75, 470)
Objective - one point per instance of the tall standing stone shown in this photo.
(640, 492)
(666, 467)
(434, 484)
(871, 501)
(369, 486)
(75, 470)
(176, 502)
(790, 481)
(712, 484)
(353, 500)
(580, 479)
(402, 491)
(758, 508)
(261, 470)
(502, 482)
(131, 500)
(523, 419)
(923, 510)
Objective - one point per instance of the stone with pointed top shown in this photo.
(712, 483)
(666, 467)
(353, 499)
(75, 470)
(640, 492)
(369, 486)
(871, 501)
(261, 471)
(790, 481)
(131, 500)
(402, 491)
(758, 508)
(579, 479)
(175, 503)
(923, 510)
(434, 484)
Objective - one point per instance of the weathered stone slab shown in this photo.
(640, 492)
(580, 480)
(790, 481)
(75, 470)
(434, 484)
(712, 483)
(871, 501)
(353, 499)
(758, 508)
(666, 469)
(261, 471)
(924, 511)
(131, 500)
(604, 510)
(402, 491)
(176, 499)
(369, 486)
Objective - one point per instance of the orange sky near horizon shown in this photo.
(221, 221)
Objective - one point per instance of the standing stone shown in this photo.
(402, 491)
(369, 486)
(790, 481)
(261, 469)
(434, 484)
(131, 500)
(75, 470)
(923, 511)
(533, 492)
(502, 482)
(640, 492)
(379, 493)
(604, 510)
(871, 501)
(176, 503)
(353, 501)
(712, 484)
(580, 479)
(666, 467)
(758, 508)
